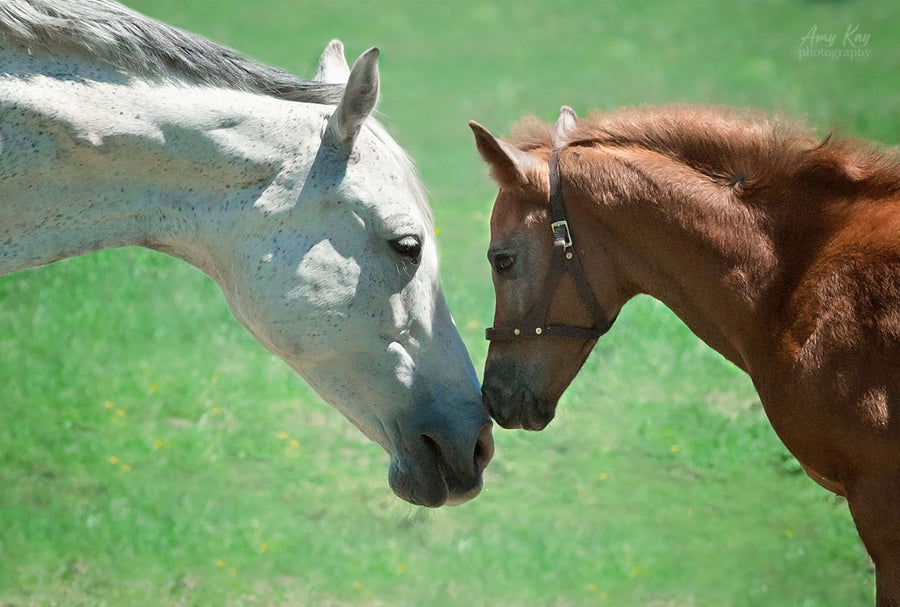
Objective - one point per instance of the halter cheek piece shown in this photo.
(564, 260)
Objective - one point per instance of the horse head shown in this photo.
(338, 275)
(547, 316)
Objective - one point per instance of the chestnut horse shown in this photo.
(780, 251)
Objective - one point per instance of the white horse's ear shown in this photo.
(333, 68)
(358, 101)
(565, 124)
(509, 164)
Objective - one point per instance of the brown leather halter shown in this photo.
(564, 260)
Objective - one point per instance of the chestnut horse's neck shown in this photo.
(722, 237)
(677, 236)
(719, 215)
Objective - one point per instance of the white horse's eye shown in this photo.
(408, 247)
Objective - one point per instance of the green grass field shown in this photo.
(151, 453)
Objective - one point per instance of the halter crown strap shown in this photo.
(564, 260)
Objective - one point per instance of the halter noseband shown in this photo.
(564, 260)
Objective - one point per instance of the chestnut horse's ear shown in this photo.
(565, 124)
(358, 101)
(509, 165)
(333, 68)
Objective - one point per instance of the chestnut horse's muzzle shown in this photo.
(513, 403)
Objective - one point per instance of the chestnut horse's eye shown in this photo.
(408, 247)
(503, 262)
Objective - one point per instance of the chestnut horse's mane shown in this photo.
(745, 149)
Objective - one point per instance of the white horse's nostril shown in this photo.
(457, 462)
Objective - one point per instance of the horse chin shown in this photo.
(415, 490)
(462, 498)
(429, 488)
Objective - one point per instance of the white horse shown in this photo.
(118, 130)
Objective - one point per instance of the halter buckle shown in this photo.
(561, 232)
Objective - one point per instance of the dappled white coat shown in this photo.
(307, 214)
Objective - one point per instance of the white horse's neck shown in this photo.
(111, 161)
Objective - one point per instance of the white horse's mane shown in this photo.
(129, 41)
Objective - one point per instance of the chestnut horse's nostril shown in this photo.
(484, 447)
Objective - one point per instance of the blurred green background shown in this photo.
(151, 453)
